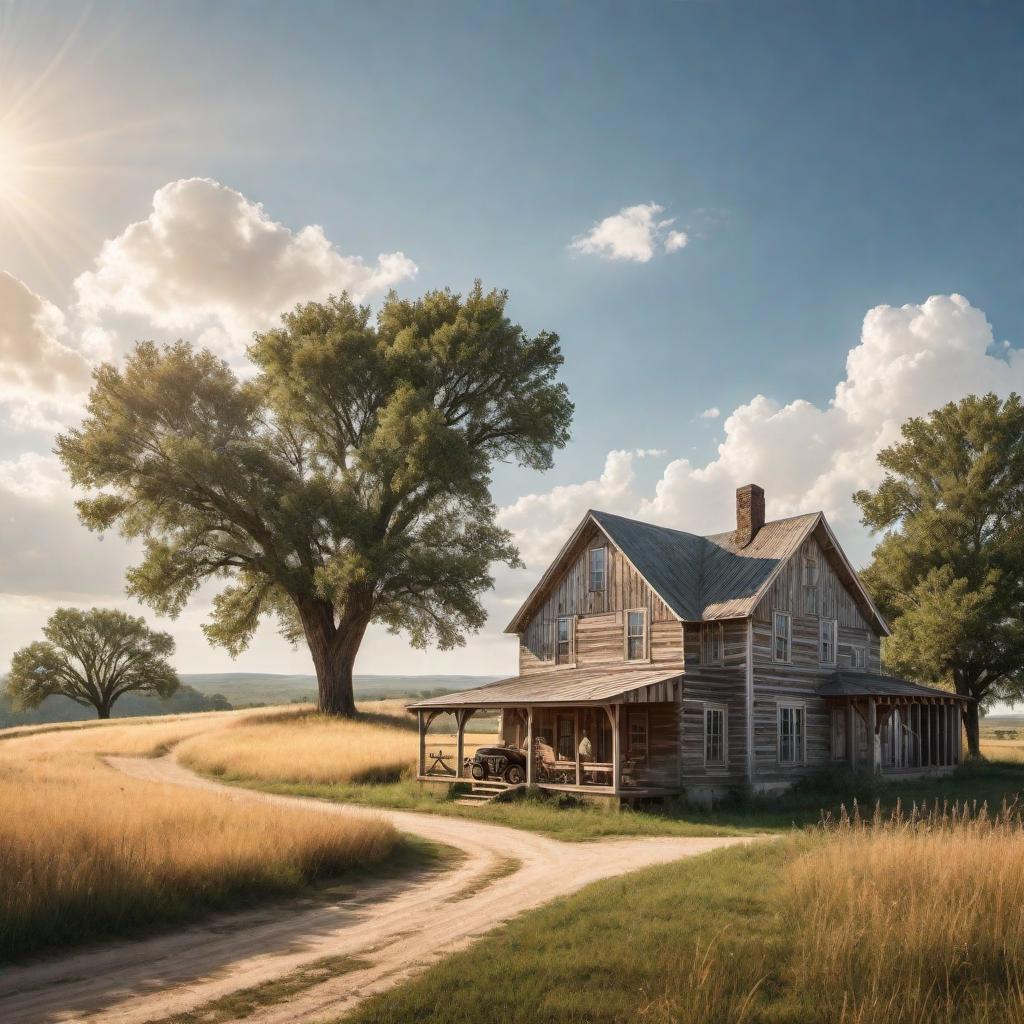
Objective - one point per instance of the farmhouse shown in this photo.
(656, 662)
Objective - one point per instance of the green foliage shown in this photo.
(93, 658)
(348, 482)
(949, 572)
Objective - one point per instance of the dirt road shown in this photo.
(395, 927)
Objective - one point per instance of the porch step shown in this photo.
(484, 792)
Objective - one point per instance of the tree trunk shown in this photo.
(103, 711)
(972, 725)
(334, 650)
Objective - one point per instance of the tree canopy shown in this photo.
(347, 482)
(949, 572)
(93, 657)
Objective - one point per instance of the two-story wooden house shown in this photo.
(656, 662)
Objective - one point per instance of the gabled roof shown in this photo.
(702, 578)
(562, 686)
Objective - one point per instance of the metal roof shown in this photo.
(859, 684)
(559, 686)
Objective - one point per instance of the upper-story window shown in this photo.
(782, 636)
(563, 650)
(827, 634)
(858, 657)
(810, 584)
(711, 643)
(598, 575)
(636, 636)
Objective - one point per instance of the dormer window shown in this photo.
(597, 570)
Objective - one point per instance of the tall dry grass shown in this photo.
(915, 918)
(87, 851)
(306, 747)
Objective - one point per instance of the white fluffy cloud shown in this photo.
(210, 261)
(711, 414)
(634, 233)
(41, 373)
(909, 360)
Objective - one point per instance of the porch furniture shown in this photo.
(440, 764)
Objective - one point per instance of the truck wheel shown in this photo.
(514, 775)
(478, 771)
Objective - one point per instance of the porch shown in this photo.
(596, 733)
(894, 727)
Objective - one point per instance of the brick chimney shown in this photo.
(749, 513)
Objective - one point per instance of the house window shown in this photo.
(714, 735)
(597, 570)
(636, 636)
(839, 749)
(563, 652)
(636, 737)
(810, 586)
(827, 635)
(858, 658)
(782, 630)
(711, 643)
(791, 734)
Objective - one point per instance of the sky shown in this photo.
(765, 234)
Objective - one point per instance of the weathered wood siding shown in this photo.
(798, 680)
(726, 686)
(661, 765)
(600, 619)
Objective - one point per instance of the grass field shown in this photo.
(86, 851)
(903, 922)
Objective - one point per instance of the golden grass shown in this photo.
(917, 918)
(302, 746)
(85, 850)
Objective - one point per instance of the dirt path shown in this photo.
(395, 927)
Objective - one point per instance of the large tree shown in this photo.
(93, 657)
(347, 482)
(949, 572)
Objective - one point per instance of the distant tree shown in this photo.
(348, 483)
(93, 658)
(949, 573)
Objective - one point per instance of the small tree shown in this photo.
(348, 483)
(949, 574)
(93, 658)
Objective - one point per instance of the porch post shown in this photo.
(616, 752)
(851, 735)
(422, 769)
(873, 751)
(576, 737)
(915, 727)
(529, 746)
(461, 717)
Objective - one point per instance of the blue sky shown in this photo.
(823, 160)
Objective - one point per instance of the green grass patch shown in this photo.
(567, 819)
(700, 940)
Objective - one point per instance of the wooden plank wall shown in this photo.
(726, 685)
(799, 680)
(661, 767)
(600, 627)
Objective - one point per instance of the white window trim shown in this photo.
(798, 705)
(646, 656)
(789, 638)
(720, 629)
(604, 571)
(822, 623)
(724, 708)
(863, 666)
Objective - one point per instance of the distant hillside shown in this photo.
(131, 705)
(225, 690)
(242, 688)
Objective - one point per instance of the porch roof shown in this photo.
(567, 686)
(862, 684)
